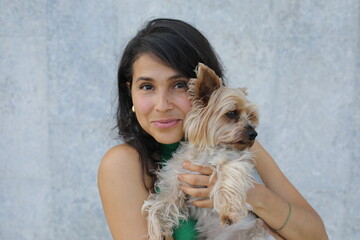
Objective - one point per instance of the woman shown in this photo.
(153, 101)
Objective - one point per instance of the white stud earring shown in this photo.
(133, 109)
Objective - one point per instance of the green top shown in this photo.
(186, 229)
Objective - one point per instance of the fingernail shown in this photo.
(185, 164)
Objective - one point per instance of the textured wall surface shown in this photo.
(299, 59)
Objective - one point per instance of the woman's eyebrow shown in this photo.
(174, 77)
(144, 79)
(177, 76)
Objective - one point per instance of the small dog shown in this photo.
(219, 129)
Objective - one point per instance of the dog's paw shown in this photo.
(226, 220)
(231, 215)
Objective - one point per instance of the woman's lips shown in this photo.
(166, 123)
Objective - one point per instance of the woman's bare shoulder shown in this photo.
(120, 153)
(119, 162)
(122, 191)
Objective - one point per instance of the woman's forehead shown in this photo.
(148, 66)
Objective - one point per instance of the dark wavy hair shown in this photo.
(180, 46)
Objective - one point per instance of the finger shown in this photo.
(194, 179)
(205, 203)
(206, 170)
(196, 192)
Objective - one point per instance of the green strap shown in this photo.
(186, 230)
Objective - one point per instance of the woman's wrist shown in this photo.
(255, 196)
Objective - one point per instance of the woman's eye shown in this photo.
(146, 87)
(233, 115)
(181, 84)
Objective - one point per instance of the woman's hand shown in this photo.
(201, 182)
(203, 186)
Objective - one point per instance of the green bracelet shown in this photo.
(287, 219)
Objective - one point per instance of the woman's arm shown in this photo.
(122, 193)
(270, 202)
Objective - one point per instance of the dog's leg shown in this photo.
(229, 192)
(164, 210)
(154, 222)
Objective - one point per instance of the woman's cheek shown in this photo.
(185, 103)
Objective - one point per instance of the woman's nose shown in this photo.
(163, 102)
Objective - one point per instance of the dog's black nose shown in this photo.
(252, 134)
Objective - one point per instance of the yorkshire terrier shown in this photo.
(219, 129)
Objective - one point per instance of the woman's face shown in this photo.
(160, 98)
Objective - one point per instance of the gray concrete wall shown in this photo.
(299, 59)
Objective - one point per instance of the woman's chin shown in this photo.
(168, 139)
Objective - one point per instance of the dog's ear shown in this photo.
(205, 84)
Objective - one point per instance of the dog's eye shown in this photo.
(251, 116)
(233, 115)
